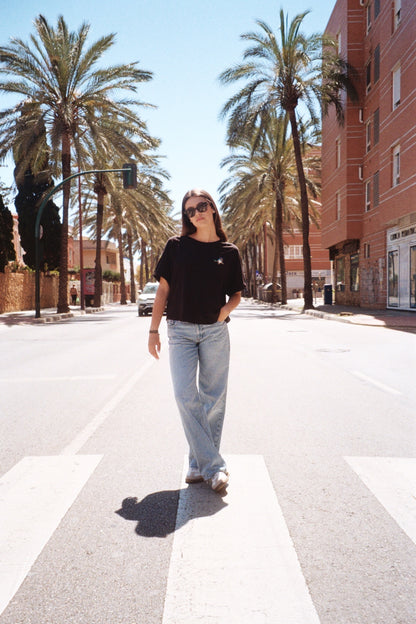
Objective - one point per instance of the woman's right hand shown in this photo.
(154, 345)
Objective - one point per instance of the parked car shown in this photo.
(147, 298)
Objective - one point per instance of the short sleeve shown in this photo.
(235, 281)
(164, 265)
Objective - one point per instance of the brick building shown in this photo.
(321, 268)
(369, 164)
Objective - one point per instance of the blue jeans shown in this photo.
(203, 352)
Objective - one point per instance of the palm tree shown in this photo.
(263, 168)
(62, 89)
(282, 75)
(143, 211)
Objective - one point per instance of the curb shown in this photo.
(63, 316)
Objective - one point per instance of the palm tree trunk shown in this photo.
(63, 265)
(98, 278)
(307, 265)
(266, 256)
(123, 294)
(141, 265)
(281, 246)
(145, 260)
(131, 259)
(247, 270)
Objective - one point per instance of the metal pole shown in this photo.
(37, 226)
(81, 247)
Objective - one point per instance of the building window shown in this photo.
(396, 87)
(338, 207)
(368, 136)
(367, 195)
(376, 190)
(377, 63)
(397, 13)
(368, 17)
(368, 77)
(396, 165)
(393, 285)
(366, 250)
(293, 252)
(341, 274)
(354, 273)
(413, 277)
(338, 153)
(376, 132)
(339, 42)
(376, 8)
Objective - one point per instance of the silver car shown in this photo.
(147, 298)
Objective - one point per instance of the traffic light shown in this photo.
(130, 176)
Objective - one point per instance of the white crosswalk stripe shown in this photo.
(233, 559)
(393, 481)
(34, 496)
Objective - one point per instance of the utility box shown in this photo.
(328, 294)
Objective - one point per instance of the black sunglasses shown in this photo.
(201, 207)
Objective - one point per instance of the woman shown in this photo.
(195, 272)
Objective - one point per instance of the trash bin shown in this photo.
(328, 294)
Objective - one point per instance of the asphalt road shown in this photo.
(92, 454)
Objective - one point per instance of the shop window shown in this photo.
(376, 124)
(354, 273)
(396, 165)
(377, 64)
(393, 285)
(376, 190)
(396, 87)
(367, 195)
(341, 274)
(412, 277)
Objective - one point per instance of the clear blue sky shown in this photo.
(186, 44)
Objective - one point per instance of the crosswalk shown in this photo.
(233, 559)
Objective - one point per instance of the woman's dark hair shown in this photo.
(188, 228)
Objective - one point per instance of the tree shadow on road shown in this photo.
(157, 514)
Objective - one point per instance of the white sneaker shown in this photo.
(219, 481)
(193, 476)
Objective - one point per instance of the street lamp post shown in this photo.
(129, 172)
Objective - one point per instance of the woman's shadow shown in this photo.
(161, 513)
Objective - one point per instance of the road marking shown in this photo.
(84, 435)
(34, 497)
(233, 559)
(376, 383)
(63, 378)
(392, 480)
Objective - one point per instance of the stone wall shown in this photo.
(17, 291)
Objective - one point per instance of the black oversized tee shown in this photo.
(200, 275)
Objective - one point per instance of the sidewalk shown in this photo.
(49, 315)
(393, 319)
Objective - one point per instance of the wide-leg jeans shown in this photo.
(199, 360)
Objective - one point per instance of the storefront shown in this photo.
(401, 263)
